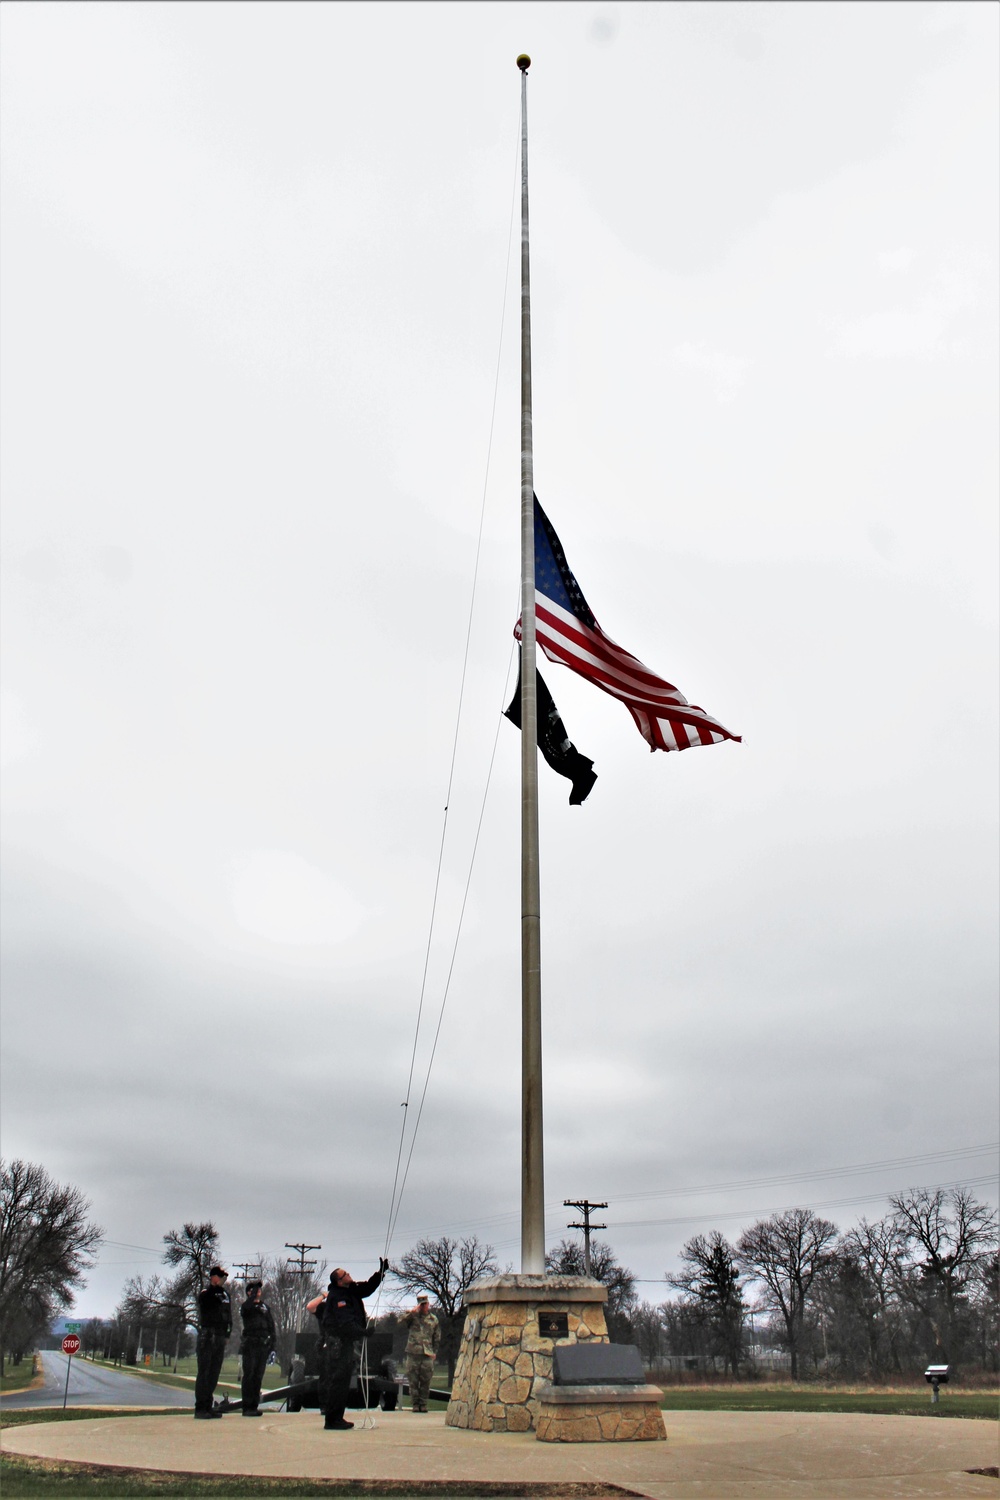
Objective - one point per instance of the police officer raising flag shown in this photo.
(340, 1312)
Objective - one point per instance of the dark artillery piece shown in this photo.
(379, 1388)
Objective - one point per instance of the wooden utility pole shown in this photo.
(301, 1270)
(586, 1208)
(303, 1265)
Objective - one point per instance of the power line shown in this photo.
(925, 1158)
(754, 1213)
(817, 1174)
(759, 1213)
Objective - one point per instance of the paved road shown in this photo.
(93, 1385)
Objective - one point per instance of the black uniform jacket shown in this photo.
(258, 1324)
(215, 1313)
(343, 1312)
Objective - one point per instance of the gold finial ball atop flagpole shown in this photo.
(524, 62)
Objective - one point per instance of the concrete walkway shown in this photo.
(708, 1455)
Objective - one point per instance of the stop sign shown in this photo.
(71, 1344)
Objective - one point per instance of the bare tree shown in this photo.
(984, 1296)
(786, 1253)
(711, 1283)
(947, 1234)
(193, 1249)
(287, 1292)
(153, 1317)
(93, 1337)
(869, 1260)
(46, 1246)
(446, 1269)
(684, 1332)
(647, 1330)
(567, 1260)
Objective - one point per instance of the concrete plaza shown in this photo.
(707, 1454)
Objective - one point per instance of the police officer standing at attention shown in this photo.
(340, 1311)
(259, 1338)
(215, 1324)
(421, 1347)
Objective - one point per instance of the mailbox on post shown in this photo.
(936, 1376)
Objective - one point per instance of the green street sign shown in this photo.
(72, 1328)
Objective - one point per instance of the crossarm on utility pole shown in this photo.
(586, 1208)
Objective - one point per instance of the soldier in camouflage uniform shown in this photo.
(421, 1347)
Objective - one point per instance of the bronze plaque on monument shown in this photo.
(553, 1325)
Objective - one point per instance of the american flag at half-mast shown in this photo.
(567, 632)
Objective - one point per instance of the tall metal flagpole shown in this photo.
(532, 1167)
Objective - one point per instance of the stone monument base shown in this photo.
(599, 1414)
(505, 1359)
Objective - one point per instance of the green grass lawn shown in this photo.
(273, 1375)
(25, 1416)
(187, 1368)
(25, 1479)
(18, 1377)
(915, 1402)
(229, 1381)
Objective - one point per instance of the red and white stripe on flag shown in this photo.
(662, 714)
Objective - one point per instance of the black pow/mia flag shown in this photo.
(553, 741)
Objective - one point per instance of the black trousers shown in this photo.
(254, 1364)
(336, 1361)
(211, 1353)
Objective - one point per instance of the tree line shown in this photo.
(156, 1315)
(47, 1244)
(884, 1299)
(881, 1299)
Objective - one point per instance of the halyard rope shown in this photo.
(399, 1184)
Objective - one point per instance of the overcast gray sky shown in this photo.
(254, 264)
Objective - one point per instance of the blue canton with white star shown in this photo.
(552, 572)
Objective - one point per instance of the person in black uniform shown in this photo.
(340, 1311)
(259, 1338)
(215, 1324)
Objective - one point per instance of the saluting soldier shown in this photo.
(421, 1347)
(215, 1324)
(259, 1338)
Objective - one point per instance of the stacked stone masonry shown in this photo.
(595, 1414)
(504, 1362)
